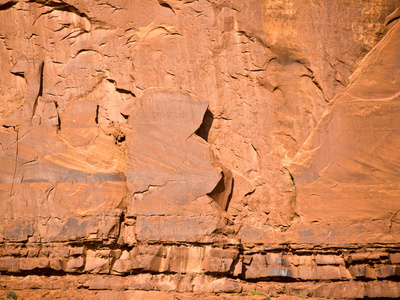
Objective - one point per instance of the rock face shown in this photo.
(348, 166)
(168, 165)
(200, 146)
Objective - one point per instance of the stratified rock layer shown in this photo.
(200, 147)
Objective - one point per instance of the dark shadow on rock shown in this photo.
(205, 126)
(222, 193)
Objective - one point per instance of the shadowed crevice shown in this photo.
(205, 126)
(8, 5)
(222, 193)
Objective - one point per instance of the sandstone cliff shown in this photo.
(200, 146)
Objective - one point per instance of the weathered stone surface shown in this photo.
(366, 256)
(343, 171)
(360, 271)
(56, 263)
(97, 262)
(141, 295)
(183, 143)
(28, 264)
(395, 258)
(76, 251)
(64, 287)
(74, 264)
(386, 289)
(260, 268)
(386, 271)
(296, 260)
(329, 260)
(318, 272)
(168, 166)
(122, 266)
(223, 286)
(186, 228)
(219, 260)
(10, 264)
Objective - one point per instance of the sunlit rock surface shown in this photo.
(200, 147)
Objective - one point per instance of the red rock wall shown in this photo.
(200, 146)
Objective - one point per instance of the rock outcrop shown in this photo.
(200, 147)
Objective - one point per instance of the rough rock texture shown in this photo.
(200, 147)
(349, 164)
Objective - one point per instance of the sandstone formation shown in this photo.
(180, 148)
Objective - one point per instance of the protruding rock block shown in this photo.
(363, 270)
(69, 180)
(366, 256)
(31, 70)
(168, 165)
(382, 289)
(318, 272)
(297, 260)
(329, 260)
(74, 264)
(219, 260)
(223, 285)
(76, 251)
(29, 264)
(122, 267)
(10, 265)
(97, 262)
(385, 271)
(56, 263)
(395, 258)
(259, 268)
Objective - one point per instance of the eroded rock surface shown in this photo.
(168, 165)
(348, 166)
(200, 147)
